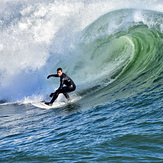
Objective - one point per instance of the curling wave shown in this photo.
(122, 52)
(118, 55)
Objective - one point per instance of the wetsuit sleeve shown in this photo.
(61, 84)
(52, 75)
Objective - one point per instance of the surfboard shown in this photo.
(57, 104)
(44, 106)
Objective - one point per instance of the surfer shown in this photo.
(64, 80)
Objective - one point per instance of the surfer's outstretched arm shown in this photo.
(52, 75)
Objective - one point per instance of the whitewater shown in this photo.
(113, 51)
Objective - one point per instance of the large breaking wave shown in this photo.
(115, 56)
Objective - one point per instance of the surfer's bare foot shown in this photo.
(48, 103)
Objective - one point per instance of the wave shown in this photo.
(118, 55)
(123, 53)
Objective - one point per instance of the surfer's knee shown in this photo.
(72, 87)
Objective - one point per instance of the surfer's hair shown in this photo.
(59, 69)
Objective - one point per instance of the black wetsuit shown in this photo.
(64, 80)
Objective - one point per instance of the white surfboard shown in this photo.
(44, 106)
(57, 104)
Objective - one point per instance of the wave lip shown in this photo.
(122, 51)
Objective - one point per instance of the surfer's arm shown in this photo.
(61, 84)
(52, 75)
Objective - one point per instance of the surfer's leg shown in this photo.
(67, 96)
(55, 95)
(66, 90)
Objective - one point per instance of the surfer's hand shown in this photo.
(51, 95)
(48, 77)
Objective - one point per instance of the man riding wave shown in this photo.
(64, 80)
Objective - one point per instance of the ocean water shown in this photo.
(113, 50)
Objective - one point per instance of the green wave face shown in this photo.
(122, 54)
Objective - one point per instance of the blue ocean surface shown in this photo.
(113, 51)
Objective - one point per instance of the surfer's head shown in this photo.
(59, 71)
